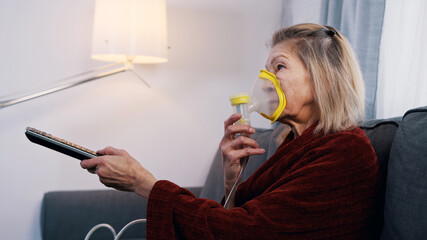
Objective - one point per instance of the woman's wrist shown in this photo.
(227, 187)
(229, 182)
(144, 184)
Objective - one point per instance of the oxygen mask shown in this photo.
(267, 98)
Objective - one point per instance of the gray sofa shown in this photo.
(400, 144)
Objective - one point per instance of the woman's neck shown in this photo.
(299, 128)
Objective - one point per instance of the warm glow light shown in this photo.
(130, 30)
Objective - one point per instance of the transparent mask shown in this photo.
(267, 97)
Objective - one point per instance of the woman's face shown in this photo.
(295, 82)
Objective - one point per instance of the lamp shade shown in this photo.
(130, 30)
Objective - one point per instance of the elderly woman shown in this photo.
(318, 185)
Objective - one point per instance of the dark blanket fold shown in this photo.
(313, 187)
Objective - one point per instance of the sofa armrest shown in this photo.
(71, 214)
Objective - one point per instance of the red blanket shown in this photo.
(313, 187)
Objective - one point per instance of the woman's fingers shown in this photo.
(235, 156)
(239, 143)
(231, 120)
(240, 147)
(231, 146)
(243, 142)
(234, 130)
(89, 163)
(230, 128)
(236, 145)
(110, 151)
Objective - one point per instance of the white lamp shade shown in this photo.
(130, 30)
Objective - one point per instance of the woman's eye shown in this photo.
(280, 67)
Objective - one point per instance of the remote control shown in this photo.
(58, 144)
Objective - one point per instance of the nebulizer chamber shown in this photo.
(240, 104)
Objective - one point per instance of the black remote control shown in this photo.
(58, 144)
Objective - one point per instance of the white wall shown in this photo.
(173, 128)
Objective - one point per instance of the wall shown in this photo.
(172, 128)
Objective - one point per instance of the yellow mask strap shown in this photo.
(280, 93)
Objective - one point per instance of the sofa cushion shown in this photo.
(381, 133)
(68, 215)
(405, 212)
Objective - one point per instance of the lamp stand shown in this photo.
(127, 66)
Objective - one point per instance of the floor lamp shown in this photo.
(124, 32)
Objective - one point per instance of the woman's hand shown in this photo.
(235, 148)
(117, 169)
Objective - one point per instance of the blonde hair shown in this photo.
(337, 82)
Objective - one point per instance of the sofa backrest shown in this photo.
(381, 133)
(405, 210)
